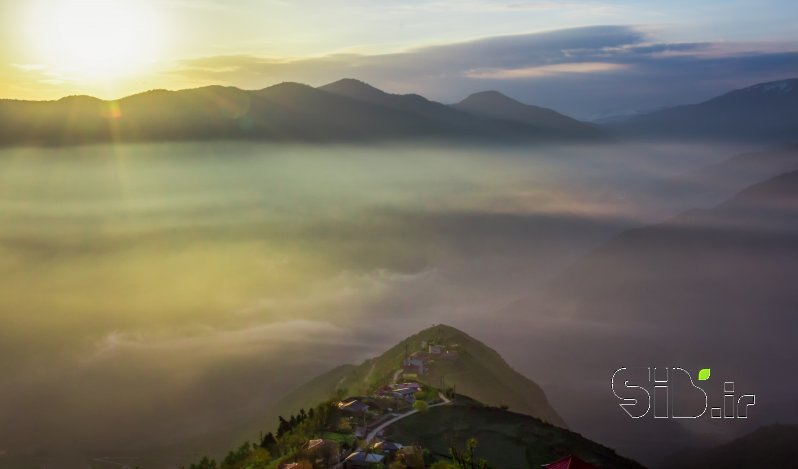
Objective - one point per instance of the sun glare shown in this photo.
(95, 39)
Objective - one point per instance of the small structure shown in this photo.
(412, 457)
(415, 364)
(412, 385)
(569, 462)
(362, 459)
(353, 406)
(408, 394)
(435, 349)
(323, 452)
(387, 447)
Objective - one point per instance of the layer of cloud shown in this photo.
(587, 72)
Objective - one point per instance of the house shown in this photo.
(353, 406)
(323, 452)
(414, 364)
(569, 462)
(412, 457)
(408, 394)
(435, 349)
(362, 459)
(411, 385)
(387, 447)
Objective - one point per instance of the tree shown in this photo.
(283, 427)
(466, 459)
(205, 463)
(238, 456)
(421, 406)
(268, 442)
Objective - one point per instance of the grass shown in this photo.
(506, 439)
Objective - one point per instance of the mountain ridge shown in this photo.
(768, 446)
(762, 112)
(344, 111)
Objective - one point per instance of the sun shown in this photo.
(95, 39)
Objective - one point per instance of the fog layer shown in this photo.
(151, 293)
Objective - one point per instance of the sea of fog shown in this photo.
(152, 293)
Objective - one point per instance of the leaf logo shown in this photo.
(703, 375)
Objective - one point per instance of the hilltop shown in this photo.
(410, 407)
(478, 372)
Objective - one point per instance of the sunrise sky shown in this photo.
(570, 55)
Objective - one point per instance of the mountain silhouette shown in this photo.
(496, 106)
(769, 446)
(344, 111)
(763, 112)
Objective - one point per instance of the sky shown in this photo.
(587, 58)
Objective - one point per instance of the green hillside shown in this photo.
(479, 372)
(505, 439)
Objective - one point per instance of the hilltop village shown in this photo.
(401, 410)
(359, 440)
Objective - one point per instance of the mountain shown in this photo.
(504, 117)
(763, 112)
(515, 428)
(723, 262)
(479, 372)
(706, 286)
(344, 111)
(505, 439)
(746, 169)
(411, 103)
(769, 446)
(496, 106)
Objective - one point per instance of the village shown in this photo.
(359, 440)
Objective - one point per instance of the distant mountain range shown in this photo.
(763, 112)
(769, 446)
(688, 290)
(751, 239)
(347, 110)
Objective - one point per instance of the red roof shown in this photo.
(570, 462)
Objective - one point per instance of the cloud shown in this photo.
(587, 71)
(545, 70)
